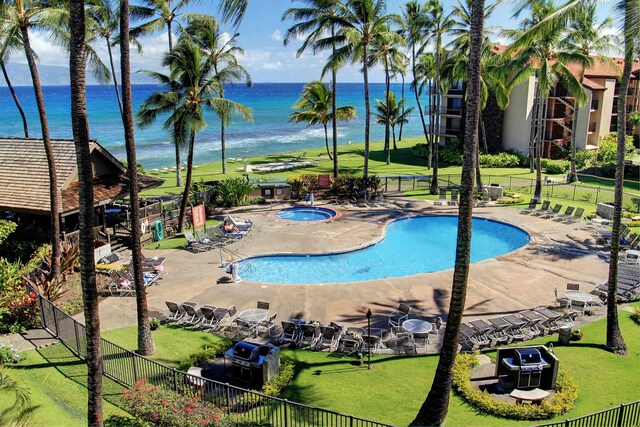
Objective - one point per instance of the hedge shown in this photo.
(562, 400)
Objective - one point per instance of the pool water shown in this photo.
(410, 246)
(306, 214)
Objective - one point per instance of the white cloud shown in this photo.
(272, 65)
(277, 35)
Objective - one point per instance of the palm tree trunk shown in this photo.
(15, 100)
(573, 174)
(223, 133)
(415, 92)
(367, 120)
(435, 407)
(393, 134)
(615, 343)
(326, 140)
(334, 111)
(145, 341)
(387, 149)
(537, 149)
(401, 123)
(113, 73)
(176, 142)
(187, 186)
(54, 193)
(80, 125)
(478, 173)
(436, 136)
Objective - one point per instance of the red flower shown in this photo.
(165, 403)
(189, 410)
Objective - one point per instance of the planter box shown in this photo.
(102, 251)
(494, 193)
(605, 211)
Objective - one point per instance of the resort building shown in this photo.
(24, 179)
(514, 127)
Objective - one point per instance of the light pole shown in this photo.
(369, 338)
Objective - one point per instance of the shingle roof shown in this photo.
(24, 175)
(587, 82)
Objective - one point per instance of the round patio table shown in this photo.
(417, 326)
(578, 296)
(254, 315)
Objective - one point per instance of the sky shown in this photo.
(261, 36)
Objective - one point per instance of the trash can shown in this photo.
(564, 336)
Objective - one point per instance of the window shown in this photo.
(613, 127)
(592, 127)
(594, 104)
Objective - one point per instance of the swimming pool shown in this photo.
(306, 214)
(410, 246)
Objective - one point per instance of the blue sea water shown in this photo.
(410, 246)
(271, 132)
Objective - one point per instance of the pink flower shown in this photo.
(189, 410)
(165, 403)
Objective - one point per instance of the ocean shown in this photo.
(270, 133)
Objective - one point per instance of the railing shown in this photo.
(127, 367)
(522, 186)
(620, 416)
(74, 236)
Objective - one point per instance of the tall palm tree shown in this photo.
(413, 29)
(145, 340)
(190, 90)
(21, 15)
(439, 24)
(223, 52)
(360, 22)
(315, 107)
(386, 49)
(538, 52)
(587, 36)
(400, 69)
(391, 112)
(160, 14)
(80, 126)
(10, 42)
(435, 407)
(315, 21)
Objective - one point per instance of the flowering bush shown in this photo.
(18, 309)
(167, 408)
(8, 354)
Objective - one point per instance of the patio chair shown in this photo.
(573, 286)
(470, 337)
(290, 333)
(371, 343)
(435, 328)
(498, 333)
(543, 209)
(454, 197)
(244, 329)
(175, 314)
(530, 208)
(400, 336)
(577, 216)
(192, 244)
(192, 318)
(267, 326)
(561, 301)
(553, 212)
(209, 317)
(205, 241)
(264, 305)
(442, 197)
(329, 337)
(397, 317)
(120, 286)
(568, 320)
(309, 335)
(566, 215)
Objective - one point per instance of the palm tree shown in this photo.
(223, 52)
(587, 36)
(314, 108)
(80, 126)
(400, 68)
(538, 52)
(413, 30)
(360, 21)
(11, 43)
(435, 407)
(439, 24)
(21, 15)
(386, 50)
(314, 21)
(391, 113)
(190, 89)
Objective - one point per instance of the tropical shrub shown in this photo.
(258, 201)
(586, 159)
(6, 228)
(233, 191)
(420, 150)
(18, 309)
(555, 166)
(500, 160)
(154, 323)
(205, 354)
(120, 421)
(450, 155)
(563, 399)
(280, 382)
(8, 354)
(635, 316)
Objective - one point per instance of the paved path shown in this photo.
(559, 253)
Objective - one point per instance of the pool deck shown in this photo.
(523, 279)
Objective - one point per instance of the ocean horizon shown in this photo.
(270, 133)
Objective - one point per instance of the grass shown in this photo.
(178, 241)
(392, 391)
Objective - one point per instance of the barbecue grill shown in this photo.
(527, 367)
(254, 364)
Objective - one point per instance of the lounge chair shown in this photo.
(397, 317)
(205, 241)
(543, 209)
(351, 341)
(442, 197)
(212, 316)
(264, 305)
(553, 212)
(244, 225)
(566, 215)
(120, 286)
(531, 208)
(219, 232)
(372, 343)
(309, 335)
(290, 333)
(577, 216)
(192, 317)
(192, 244)
(498, 333)
(214, 238)
(515, 331)
(329, 337)
(454, 197)
(568, 320)
(550, 322)
(175, 314)
(471, 338)
(483, 328)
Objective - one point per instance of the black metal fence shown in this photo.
(127, 368)
(625, 415)
(515, 184)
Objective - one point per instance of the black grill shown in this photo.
(526, 367)
(253, 363)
